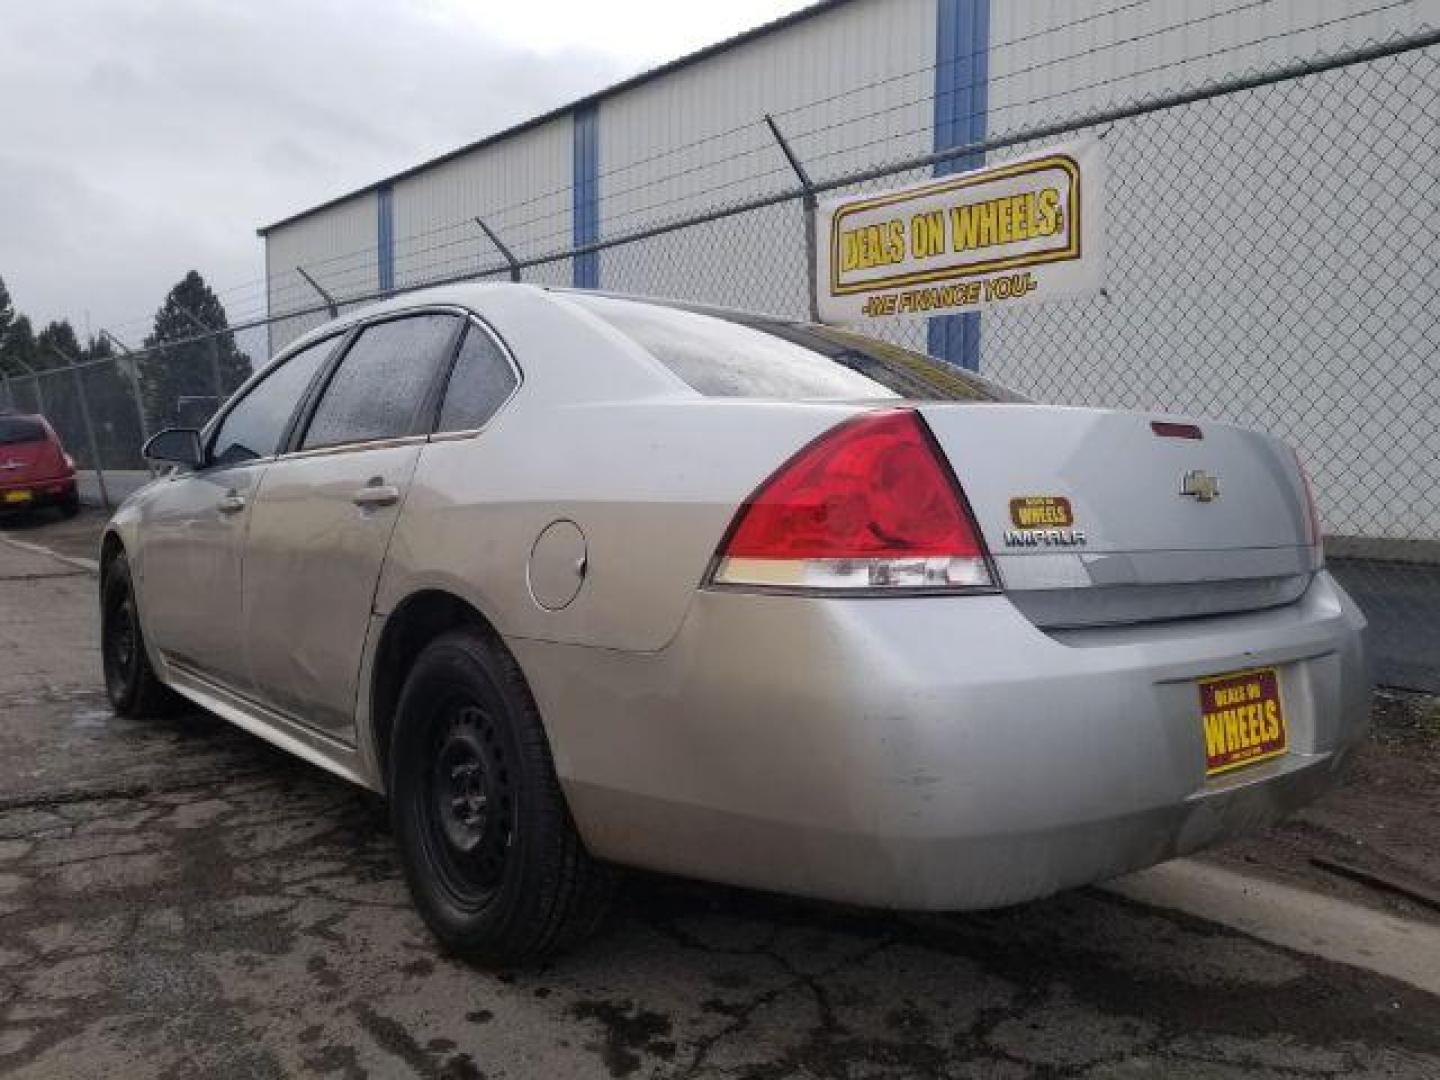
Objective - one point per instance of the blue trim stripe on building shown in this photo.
(385, 236)
(585, 212)
(962, 77)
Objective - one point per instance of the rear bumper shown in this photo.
(49, 492)
(933, 753)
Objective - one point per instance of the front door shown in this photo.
(190, 572)
(324, 515)
(196, 523)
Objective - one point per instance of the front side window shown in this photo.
(480, 383)
(253, 428)
(730, 354)
(382, 383)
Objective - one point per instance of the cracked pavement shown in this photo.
(178, 899)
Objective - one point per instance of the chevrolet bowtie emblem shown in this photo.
(1200, 485)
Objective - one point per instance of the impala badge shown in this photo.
(1200, 485)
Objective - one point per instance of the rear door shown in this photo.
(324, 515)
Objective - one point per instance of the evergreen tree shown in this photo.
(186, 381)
(20, 345)
(57, 345)
(7, 313)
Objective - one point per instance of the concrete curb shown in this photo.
(89, 565)
(1293, 918)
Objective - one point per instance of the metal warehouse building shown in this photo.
(1242, 279)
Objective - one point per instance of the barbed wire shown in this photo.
(288, 284)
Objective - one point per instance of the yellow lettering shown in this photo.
(1214, 735)
(989, 225)
(964, 228)
(1047, 206)
(894, 241)
(1232, 736)
(1020, 226)
(927, 234)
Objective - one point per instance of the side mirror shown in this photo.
(179, 445)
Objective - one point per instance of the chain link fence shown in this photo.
(1271, 256)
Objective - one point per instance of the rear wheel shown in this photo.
(492, 857)
(130, 681)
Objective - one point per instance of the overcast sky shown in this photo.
(141, 139)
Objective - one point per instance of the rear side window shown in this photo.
(254, 427)
(480, 383)
(380, 386)
(16, 429)
(731, 354)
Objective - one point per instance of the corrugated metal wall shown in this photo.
(336, 246)
(520, 186)
(849, 88)
(1107, 51)
(1208, 207)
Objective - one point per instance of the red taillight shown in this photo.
(871, 504)
(1315, 538)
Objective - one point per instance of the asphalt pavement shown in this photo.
(179, 900)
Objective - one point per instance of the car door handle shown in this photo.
(376, 495)
(231, 504)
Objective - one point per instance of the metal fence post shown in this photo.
(216, 382)
(85, 419)
(505, 252)
(809, 202)
(330, 304)
(90, 437)
(134, 381)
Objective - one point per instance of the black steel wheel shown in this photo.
(130, 682)
(471, 810)
(492, 857)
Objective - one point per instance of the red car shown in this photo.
(35, 470)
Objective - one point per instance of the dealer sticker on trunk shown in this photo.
(1243, 720)
(1043, 521)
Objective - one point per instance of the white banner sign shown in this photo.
(1030, 229)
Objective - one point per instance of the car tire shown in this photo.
(490, 852)
(130, 681)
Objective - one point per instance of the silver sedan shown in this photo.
(580, 581)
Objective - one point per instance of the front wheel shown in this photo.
(130, 681)
(491, 855)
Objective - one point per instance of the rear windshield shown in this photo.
(731, 354)
(18, 429)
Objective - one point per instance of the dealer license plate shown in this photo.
(1243, 719)
(17, 497)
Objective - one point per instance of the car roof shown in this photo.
(471, 295)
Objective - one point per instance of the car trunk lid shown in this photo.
(1096, 516)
